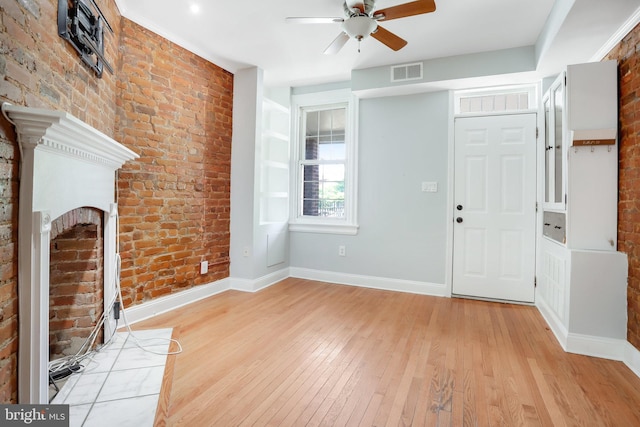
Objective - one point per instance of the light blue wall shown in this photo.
(403, 141)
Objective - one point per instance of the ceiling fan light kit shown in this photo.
(361, 20)
(359, 27)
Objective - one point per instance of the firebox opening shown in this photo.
(76, 281)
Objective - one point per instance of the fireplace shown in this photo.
(65, 164)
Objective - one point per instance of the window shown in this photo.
(495, 100)
(325, 171)
(323, 162)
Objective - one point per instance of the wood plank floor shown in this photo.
(305, 353)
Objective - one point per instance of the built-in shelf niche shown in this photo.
(274, 163)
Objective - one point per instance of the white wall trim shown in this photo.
(168, 303)
(632, 358)
(617, 37)
(552, 320)
(588, 345)
(384, 283)
(255, 285)
(448, 278)
(171, 302)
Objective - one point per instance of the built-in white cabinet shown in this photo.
(581, 157)
(581, 277)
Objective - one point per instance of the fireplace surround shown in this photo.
(65, 164)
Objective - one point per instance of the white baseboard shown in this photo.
(255, 285)
(414, 287)
(170, 302)
(588, 345)
(553, 322)
(632, 358)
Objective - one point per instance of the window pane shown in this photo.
(332, 151)
(559, 104)
(325, 134)
(548, 154)
(312, 123)
(323, 191)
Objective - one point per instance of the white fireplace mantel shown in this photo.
(65, 164)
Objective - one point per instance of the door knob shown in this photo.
(459, 220)
(459, 207)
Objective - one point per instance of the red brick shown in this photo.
(629, 214)
(144, 112)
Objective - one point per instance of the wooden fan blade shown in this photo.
(407, 9)
(389, 39)
(337, 44)
(305, 20)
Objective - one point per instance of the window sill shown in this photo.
(345, 229)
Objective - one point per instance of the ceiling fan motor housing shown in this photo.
(359, 7)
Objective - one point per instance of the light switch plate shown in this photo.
(430, 187)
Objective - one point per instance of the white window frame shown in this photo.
(297, 222)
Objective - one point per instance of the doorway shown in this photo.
(495, 207)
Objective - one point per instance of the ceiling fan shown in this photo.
(361, 20)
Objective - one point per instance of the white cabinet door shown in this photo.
(495, 199)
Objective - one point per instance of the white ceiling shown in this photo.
(239, 34)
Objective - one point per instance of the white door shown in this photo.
(495, 207)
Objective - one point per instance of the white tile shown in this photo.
(66, 388)
(101, 362)
(136, 412)
(149, 338)
(132, 358)
(123, 379)
(117, 341)
(132, 383)
(86, 389)
(77, 414)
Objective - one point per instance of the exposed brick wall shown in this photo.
(175, 111)
(628, 57)
(75, 280)
(38, 69)
(174, 201)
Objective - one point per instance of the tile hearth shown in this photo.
(121, 385)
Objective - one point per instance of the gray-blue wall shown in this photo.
(403, 141)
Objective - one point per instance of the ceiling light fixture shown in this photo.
(359, 27)
(195, 8)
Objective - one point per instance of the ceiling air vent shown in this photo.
(403, 73)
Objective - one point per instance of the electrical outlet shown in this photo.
(204, 267)
(342, 250)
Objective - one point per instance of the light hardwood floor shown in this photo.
(305, 353)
